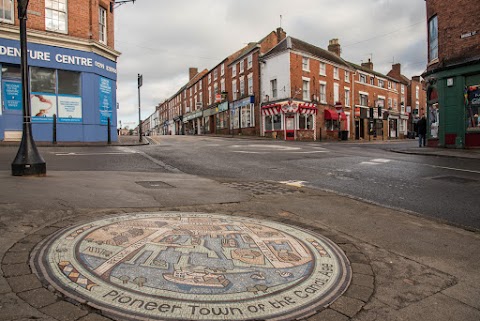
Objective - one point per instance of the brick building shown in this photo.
(72, 70)
(453, 74)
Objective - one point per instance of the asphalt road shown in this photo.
(442, 188)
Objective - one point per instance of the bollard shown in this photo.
(54, 136)
(108, 132)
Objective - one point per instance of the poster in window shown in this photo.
(106, 100)
(43, 107)
(473, 106)
(12, 95)
(69, 109)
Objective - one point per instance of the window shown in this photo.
(268, 123)
(6, 11)
(323, 69)
(336, 93)
(56, 15)
(69, 83)
(417, 92)
(222, 69)
(209, 78)
(305, 64)
(433, 38)
(390, 103)
(234, 70)
(249, 61)
(335, 72)
(363, 78)
(363, 100)
(42, 80)
(102, 25)
(209, 95)
(347, 97)
(306, 90)
(250, 84)
(402, 89)
(234, 89)
(222, 85)
(389, 85)
(215, 74)
(242, 86)
(200, 85)
(323, 93)
(242, 66)
(215, 88)
(372, 81)
(277, 122)
(347, 76)
(273, 86)
(381, 83)
(305, 121)
(395, 103)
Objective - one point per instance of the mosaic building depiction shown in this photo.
(194, 262)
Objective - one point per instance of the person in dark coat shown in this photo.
(422, 131)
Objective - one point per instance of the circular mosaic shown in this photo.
(191, 266)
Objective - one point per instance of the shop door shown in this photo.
(393, 128)
(12, 103)
(290, 127)
(357, 129)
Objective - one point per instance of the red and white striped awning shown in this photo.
(308, 108)
(271, 109)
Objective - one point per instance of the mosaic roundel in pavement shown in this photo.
(191, 266)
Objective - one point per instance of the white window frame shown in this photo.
(274, 88)
(249, 61)
(241, 66)
(433, 38)
(242, 86)
(209, 95)
(215, 74)
(362, 93)
(305, 64)
(306, 93)
(347, 76)
(250, 84)
(362, 78)
(58, 12)
(209, 78)
(323, 96)
(222, 69)
(335, 73)
(390, 103)
(12, 11)
(381, 83)
(417, 92)
(102, 25)
(234, 70)
(222, 85)
(347, 96)
(336, 92)
(234, 89)
(323, 69)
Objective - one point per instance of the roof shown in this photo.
(302, 46)
(370, 71)
(242, 52)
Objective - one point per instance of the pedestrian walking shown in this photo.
(422, 131)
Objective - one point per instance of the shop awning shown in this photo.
(308, 108)
(333, 115)
(271, 109)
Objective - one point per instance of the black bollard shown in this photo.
(54, 136)
(109, 133)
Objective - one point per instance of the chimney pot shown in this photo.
(334, 46)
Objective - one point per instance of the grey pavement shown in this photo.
(404, 267)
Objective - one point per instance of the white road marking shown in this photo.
(294, 183)
(381, 160)
(91, 154)
(455, 169)
(247, 152)
(271, 147)
(311, 152)
(368, 163)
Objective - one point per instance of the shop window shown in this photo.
(102, 25)
(277, 122)
(305, 121)
(6, 11)
(56, 15)
(247, 116)
(473, 108)
(268, 123)
(11, 71)
(69, 83)
(331, 124)
(42, 80)
(433, 38)
(221, 119)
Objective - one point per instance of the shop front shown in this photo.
(242, 116)
(193, 122)
(336, 126)
(290, 120)
(77, 87)
(393, 125)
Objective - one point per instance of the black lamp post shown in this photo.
(140, 83)
(28, 161)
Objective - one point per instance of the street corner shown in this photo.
(184, 266)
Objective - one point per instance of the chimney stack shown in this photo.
(280, 34)
(397, 69)
(334, 46)
(192, 72)
(416, 78)
(368, 65)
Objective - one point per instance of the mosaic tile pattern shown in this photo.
(194, 266)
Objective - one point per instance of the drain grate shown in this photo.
(262, 188)
(455, 179)
(154, 184)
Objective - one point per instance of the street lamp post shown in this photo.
(28, 161)
(140, 83)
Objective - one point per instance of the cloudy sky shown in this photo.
(162, 39)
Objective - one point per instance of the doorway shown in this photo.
(290, 127)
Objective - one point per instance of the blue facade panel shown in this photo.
(75, 126)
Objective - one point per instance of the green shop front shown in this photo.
(453, 103)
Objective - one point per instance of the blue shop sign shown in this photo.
(58, 58)
(242, 102)
(106, 100)
(12, 95)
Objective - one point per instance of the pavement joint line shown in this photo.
(160, 163)
(62, 297)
